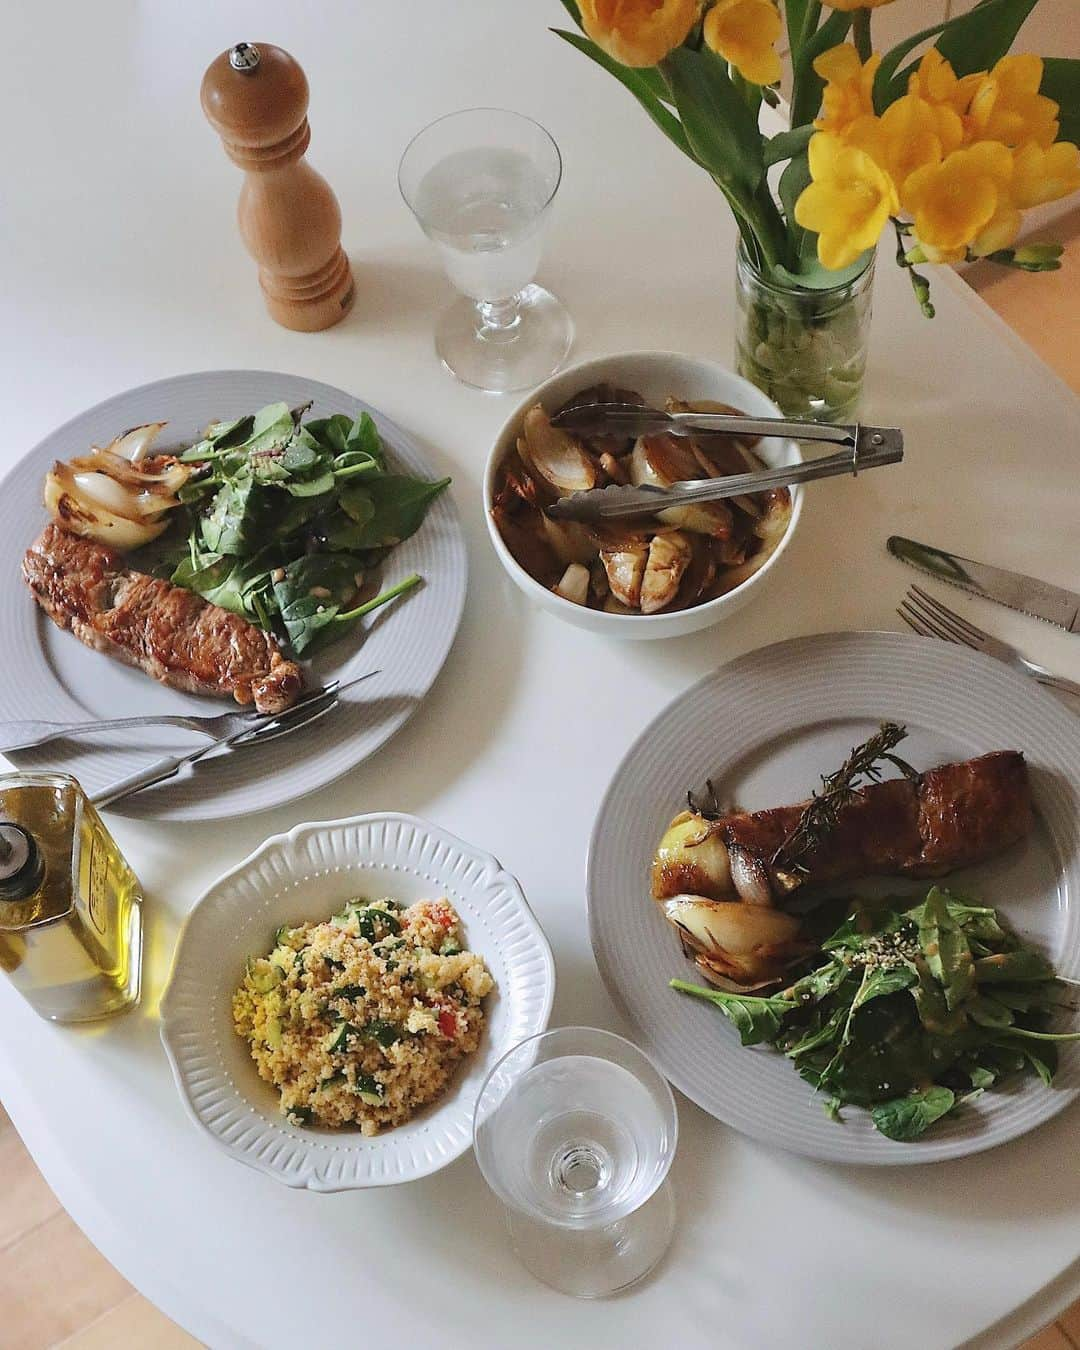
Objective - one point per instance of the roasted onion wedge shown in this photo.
(748, 944)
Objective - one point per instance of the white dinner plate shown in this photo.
(49, 674)
(307, 874)
(764, 728)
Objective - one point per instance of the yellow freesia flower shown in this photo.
(963, 201)
(906, 137)
(1007, 106)
(935, 81)
(847, 203)
(1044, 174)
(849, 86)
(744, 32)
(638, 32)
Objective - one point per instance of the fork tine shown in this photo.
(914, 619)
(946, 612)
(911, 621)
(932, 626)
(941, 625)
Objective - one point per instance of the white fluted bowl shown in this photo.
(307, 874)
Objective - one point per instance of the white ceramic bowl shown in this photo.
(307, 874)
(655, 375)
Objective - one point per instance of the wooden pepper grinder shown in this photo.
(256, 99)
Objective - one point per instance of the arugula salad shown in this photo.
(284, 521)
(910, 1012)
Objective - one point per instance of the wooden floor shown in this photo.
(93, 1307)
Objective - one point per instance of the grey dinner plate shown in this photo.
(765, 728)
(49, 674)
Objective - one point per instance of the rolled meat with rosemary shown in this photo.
(922, 825)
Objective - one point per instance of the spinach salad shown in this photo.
(285, 521)
(911, 1012)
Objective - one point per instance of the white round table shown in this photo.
(121, 264)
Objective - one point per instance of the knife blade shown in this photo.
(1041, 599)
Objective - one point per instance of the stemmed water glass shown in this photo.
(480, 184)
(574, 1131)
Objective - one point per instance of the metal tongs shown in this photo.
(866, 448)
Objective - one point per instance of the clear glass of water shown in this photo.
(480, 183)
(575, 1131)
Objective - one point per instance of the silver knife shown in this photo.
(1041, 599)
(261, 729)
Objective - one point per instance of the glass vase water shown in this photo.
(805, 348)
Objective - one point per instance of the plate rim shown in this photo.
(965, 1148)
(201, 807)
(307, 1178)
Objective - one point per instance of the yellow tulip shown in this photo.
(1007, 106)
(744, 32)
(963, 200)
(638, 32)
(847, 203)
(849, 85)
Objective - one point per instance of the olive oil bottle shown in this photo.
(70, 906)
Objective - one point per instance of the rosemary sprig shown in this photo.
(838, 790)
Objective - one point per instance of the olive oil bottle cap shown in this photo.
(21, 863)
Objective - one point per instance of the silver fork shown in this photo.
(27, 735)
(930, 618)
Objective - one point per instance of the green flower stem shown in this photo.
(800, 115)
(380, 599)
(861, 33)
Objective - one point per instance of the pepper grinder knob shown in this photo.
(256, 99)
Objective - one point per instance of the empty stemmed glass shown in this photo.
(575, 1131)
(480, 183)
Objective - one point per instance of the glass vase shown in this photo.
(805, 348)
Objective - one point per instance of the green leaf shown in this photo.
(230, 582)
(315, 486)
(981, 37)
(1020, 965)
(231, 524)
(819, 1037)
(988, 1012)
(906, 1118)
(1043, 1059)
(795, 14)
(793, 180)
(400, 504)
(879, 982)
(807, 84)
(722, 132)
(786, 144)
(971, 41)
(946, 949)
(645, 85)
(1061, 82)
(312, 592)
(980, 1077)
(757, 1019)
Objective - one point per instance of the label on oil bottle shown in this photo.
(97, 899)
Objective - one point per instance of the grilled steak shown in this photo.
(172, 634)
(953, 816)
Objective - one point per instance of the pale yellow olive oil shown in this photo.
(70, 906)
